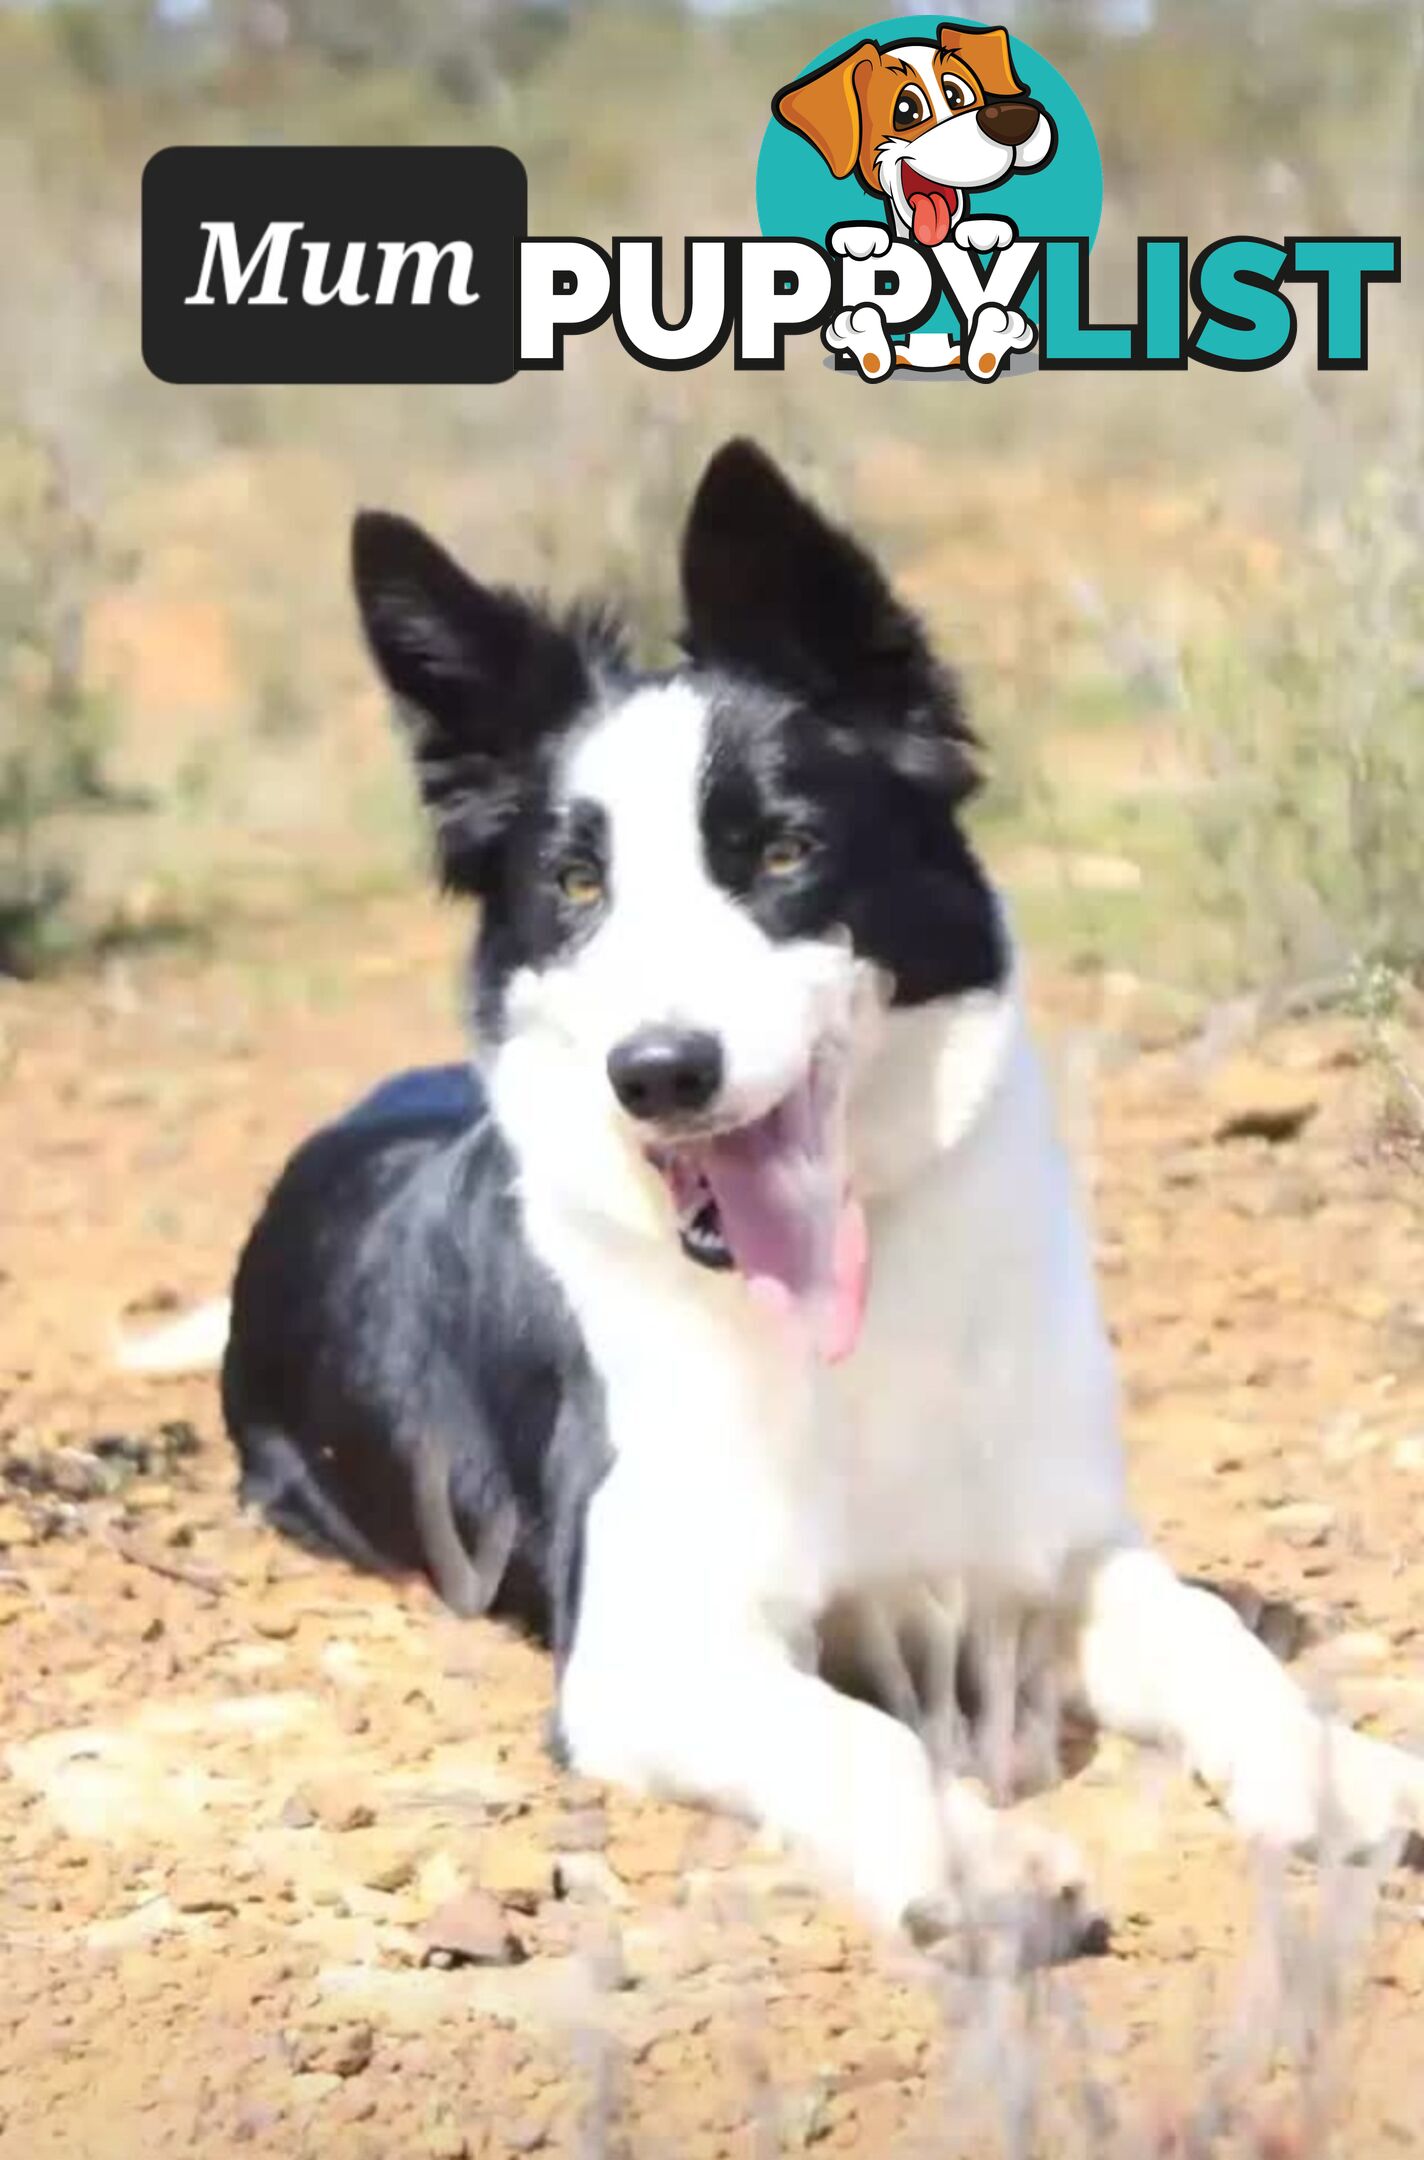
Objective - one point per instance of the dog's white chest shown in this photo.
(974, 1431)
(972, 1434)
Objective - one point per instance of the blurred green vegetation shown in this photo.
(51, 747)
(1188, 606)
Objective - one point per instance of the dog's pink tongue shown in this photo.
(930, 214)
(845, 1309)
(793, 1232)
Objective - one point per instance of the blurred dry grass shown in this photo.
(1188, 606)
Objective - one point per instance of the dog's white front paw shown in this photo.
(1322, 1788)
(995, 333)
(861, 332)
(1017, 1897)
(860, 242)
(985, 235)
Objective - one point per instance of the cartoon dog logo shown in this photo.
(923, 124)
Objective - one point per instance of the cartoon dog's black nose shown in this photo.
(1010, 124)
(666, 1072)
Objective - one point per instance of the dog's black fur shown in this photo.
(388, 1316)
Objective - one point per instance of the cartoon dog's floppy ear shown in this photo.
(826, 107)
(987, 53)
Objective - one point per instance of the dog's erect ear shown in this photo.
(480, 677)
(826, 107)
(987, 53)
(775, 592)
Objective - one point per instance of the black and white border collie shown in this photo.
(733, 1319)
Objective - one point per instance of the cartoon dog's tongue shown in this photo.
(932, 208)
(788, 1220)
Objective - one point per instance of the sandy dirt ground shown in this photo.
(284, 1868)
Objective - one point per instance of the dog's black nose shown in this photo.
(1009, 125)
(666, 1072)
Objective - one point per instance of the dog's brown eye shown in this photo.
(784, 854)
(581, 884)
(910, 109)
(957, 92)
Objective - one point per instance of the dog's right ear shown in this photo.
(988, 53)
(826, 107)
(772, 590)
(480, 677)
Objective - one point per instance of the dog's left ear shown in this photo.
(987, 53)
(481, 677)
(826, 107)
(772, 590)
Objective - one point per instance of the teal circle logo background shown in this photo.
(799, 197)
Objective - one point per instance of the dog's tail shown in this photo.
(193, 1343)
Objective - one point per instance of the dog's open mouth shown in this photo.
(932, 206)
(771, 1199)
